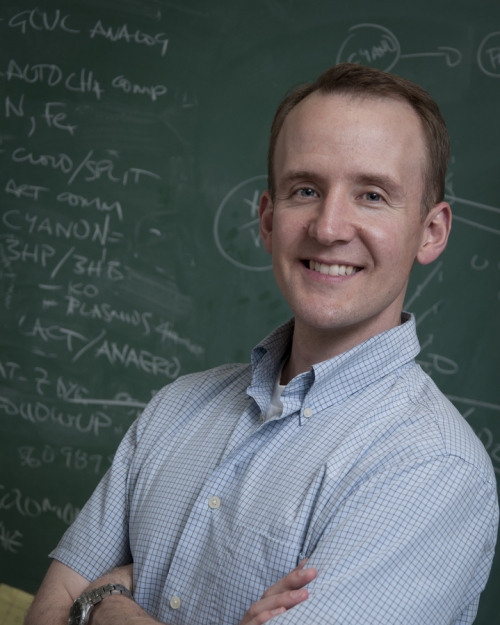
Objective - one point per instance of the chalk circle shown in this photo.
(489, 57)
(236, 229)
(371, 45)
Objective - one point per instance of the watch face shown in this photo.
(75, 614)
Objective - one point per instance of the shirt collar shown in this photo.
(330, 382)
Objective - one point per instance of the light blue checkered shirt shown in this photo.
(369, 471)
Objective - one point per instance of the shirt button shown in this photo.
(175, 603)
(307, 412)
(214, 502)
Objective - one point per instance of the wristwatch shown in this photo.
(81, 608)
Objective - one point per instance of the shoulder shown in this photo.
(206, 384)
(190, 393)
(442, 422)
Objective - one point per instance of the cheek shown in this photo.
(287, 232)
(392, 242)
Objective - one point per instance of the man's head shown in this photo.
(366, 82)
(343, 219)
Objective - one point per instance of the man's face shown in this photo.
(345, 226)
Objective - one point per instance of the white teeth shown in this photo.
(332, 270)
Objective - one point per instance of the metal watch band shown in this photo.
(98, 594)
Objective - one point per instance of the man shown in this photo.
(334, 445)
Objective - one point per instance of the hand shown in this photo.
(120, 575)
(285, 594)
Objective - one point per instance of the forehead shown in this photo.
(342, 130)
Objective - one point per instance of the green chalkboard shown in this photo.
(133, 148)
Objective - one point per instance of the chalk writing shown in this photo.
(95, 169)
(153, 91)
(39, 412)
(79, 229)
(9, 540)
(24, 190)
(10, 107)
(478, 265)
(29, 507)
(25, 252)
(376, 46)
(107, 313)
(56, 119)
(370, 44)
(74, 200)
(121, 32)
(38, 20)
(70, 458)
(140, 359)
(488, 55)
(52, 75)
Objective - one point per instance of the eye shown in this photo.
(372, 196)
(306, 192)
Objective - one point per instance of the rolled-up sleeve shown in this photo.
(413, 546)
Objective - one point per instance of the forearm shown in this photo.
(62, 586)
(49, 610)
(53, 601)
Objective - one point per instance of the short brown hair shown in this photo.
(357, 80)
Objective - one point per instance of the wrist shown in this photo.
(114, 607)
(82, 609)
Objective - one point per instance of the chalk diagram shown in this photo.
(236, 226)
(488, 55)
(376, 46)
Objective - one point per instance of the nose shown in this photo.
(332, 221)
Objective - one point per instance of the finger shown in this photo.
(263, 617)
(298, 578)
(285, 600)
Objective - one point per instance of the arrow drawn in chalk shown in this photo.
(421, 287)
(433, 309)
(452, 56)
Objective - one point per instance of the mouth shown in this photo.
(333, 269)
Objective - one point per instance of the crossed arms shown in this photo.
(62, 586)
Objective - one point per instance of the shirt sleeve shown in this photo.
(411, 546)
(98, 540)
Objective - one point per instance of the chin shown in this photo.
(329, 319)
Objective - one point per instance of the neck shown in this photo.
(313, 345)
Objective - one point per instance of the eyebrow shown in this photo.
(302, 174)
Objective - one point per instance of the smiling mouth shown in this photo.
(331, 270)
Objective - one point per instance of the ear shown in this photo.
(437, 226)
(266, 220)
